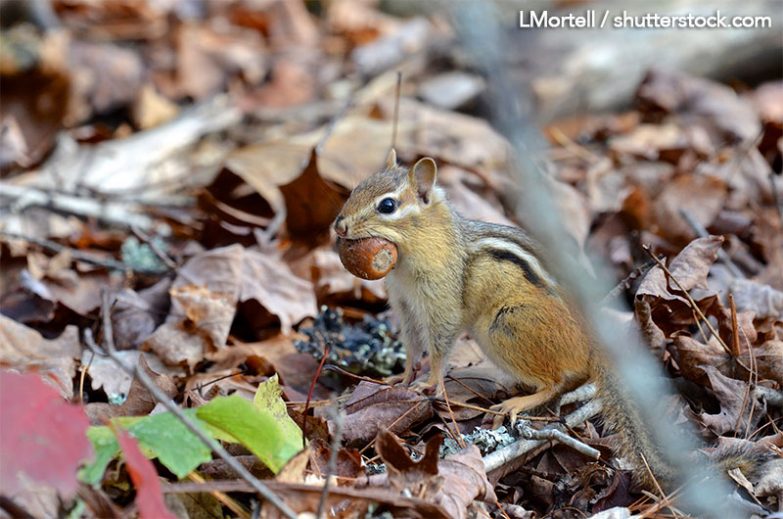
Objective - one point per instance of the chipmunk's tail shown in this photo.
(622, 415)
(653, 465)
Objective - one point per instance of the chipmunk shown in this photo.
(453, 274)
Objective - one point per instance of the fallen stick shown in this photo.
(78, 255)
(505, 454)
(114, 214)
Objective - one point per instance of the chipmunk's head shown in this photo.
(390, 204)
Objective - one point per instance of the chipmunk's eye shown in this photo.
(387, 206)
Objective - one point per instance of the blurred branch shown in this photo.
(78, 255)
(114, 213)
(637, 373)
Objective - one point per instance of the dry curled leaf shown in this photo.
(25, 349)
(374, 406)
(452, 483)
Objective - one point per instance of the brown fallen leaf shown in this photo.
(210, 55)
(269, 288)
(312, 203)
(703, 196)
(452, 483)
(348, 464)
(109, 77)
(139, 402)
(716, 105)
(449, 137)
(694, 355)
(205, 295)
(135, 315)
(659, 302)
(768, 361)
(373, 407)
(198, 324)
(24, 349)
(650, 141)
(690, 268)
(333, 283)
(740, 409)
(469, 203)
(763, 300)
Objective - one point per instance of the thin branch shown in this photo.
(582, 393)
(521, 447)
(161, 397)
(395, 120)
(115, 214)
(331, 465)
(529, 433)
(86, 257)
(144, 237)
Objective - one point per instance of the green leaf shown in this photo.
(256, 429)
(269, 398)
(160, 436)
(164, 437)
(106, 449)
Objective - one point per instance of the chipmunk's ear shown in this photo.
(423, 175)
(391, 159)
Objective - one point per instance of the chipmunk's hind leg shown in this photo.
(520, 404)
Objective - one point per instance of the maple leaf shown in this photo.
(42, 437)
(149, 498)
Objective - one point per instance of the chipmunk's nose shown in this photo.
(340, 227)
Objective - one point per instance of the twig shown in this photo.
(327, 350)
(529, 433)
(457, 435)
(86, 257)
(331, 465)
(144, 237)
(346, 373)
(161, 397)
(582, 393)
(701, 232)
(381, 495)
(396, 118)
(223, 498)
(502, 456)
(111, 213)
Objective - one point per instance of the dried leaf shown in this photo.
(312, 204)
(373, 407)
(24, 349)
(453, 483)
(763, 300)
(740, 408)
(270, 284)
(702, 196)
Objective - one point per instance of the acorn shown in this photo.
(367, 258)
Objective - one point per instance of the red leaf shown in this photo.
(149, 498)
(42, 437)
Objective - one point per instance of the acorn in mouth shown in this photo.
(367, 258)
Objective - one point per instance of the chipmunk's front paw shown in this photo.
(426, 387)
